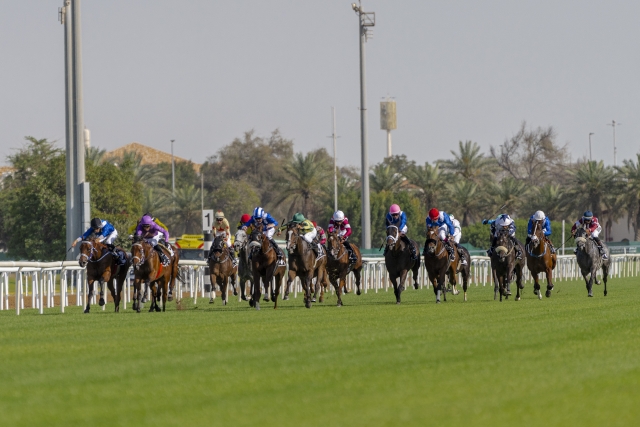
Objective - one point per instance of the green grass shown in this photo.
(564, 361)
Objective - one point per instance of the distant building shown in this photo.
(150, 156)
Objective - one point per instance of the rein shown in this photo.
(93, 249)
(544, 243)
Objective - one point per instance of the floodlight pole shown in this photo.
(613, 124)
(365, 19)
(591, 133)
(335, 167)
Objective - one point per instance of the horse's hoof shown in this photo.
(517, 298)
(437, 301)
(415, 286)
(346, 291)
(158, 309)
(210, 300)
(535, 292)
(144, 299)
(243, 298)
(117, 310)
(169, 298)
(397, 302)
(605, 293)
(313, 299)
(235, 293)
(539, 295)
(508, 293)
(307, 304)
(86, 311)
(151, 310)
(251, 303)
(257, 306)
(548, 293)
(265, 299)
(357, 292)
(321, 299)
(339, 304)
(138, 310)
(590, 296)
(101, 302)
(224, 302)
(285, 298)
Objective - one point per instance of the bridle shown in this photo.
(392, 237)
(89, 258)
(435, 240)
(141, 259)
(334, 252)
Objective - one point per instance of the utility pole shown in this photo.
(613, 124)
(365, 20)
(335, 166)
(173, 172)
(78, 195)
(591, 133)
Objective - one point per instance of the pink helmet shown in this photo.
(394, 209)
(146, 220)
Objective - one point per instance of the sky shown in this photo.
(203, 72)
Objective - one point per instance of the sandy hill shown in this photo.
(150, 156)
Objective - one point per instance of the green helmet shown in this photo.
(297, 218)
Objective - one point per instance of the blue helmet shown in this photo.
(258, 212)
(588, 215)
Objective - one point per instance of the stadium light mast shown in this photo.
(365, 20)
(590, 133)
(334, 136)
(613, 124)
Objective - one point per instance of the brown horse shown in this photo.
(303, 263)
(101, 266)
(540, 259)
(436, 261)
(148, 269)
(503, 264)
(264, 264)
(221, 267)
(398, 262)
(338, 264)
(244, 266)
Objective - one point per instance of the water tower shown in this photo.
(388, 120)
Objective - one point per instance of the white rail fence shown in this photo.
(50, 284)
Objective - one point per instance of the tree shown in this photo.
(589, 185)
(306, 179)
(427, 180)
(549, 198)
(182, 212)
(234, 199)
(629, 179)
(469, 163)
(384, 178)
(509, 192)
(462, 199)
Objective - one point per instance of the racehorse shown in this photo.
(221, 268)
(590, 260)
(304, 264)
(101, 266)
(503, 264)
(244, 265)
(436, 261)
(338, 266)
(398, 261)
(148, 269)
(264, 264)
(540, 259)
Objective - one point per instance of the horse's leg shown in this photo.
(496, 285)
(279, 277)
(112, 290)
(308, 280)
(291, 275)
(416, 273)
(165, 292)
(213, 279)
(357, 273)
(137, 294)
(152, 296)
(267, 291)
(453, 278)
(255, 299)
(101, 302)
(549, 273)
(518, 282)
(590, 281)
(536, 285)
(605, 273)
(465, 279)
(89, 293)
(223, 282)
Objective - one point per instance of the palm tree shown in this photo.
(469, 163)
(462, 199)
(307, 178)
(509, 192)
(589, 184)
(183, 209)
(549, 198)
(428, 181)
(147, 175)
(94, 155)
(384, 178)
(629, 179)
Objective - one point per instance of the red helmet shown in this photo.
(434, 214)
(315, 224)
(245, 218)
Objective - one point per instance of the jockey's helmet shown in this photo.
(587, 216)
(245, 218)
(394, 209)
(258, 213)
(96, 223)
(539, 216)
(146, 220)
(504, 221)
(219, 215)
(297, 218)
(434, 214)
(315, 224)
(338, 216)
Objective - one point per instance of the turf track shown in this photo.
(564, 361)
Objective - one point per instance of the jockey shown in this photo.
(221, 228)
(321, 237)
(152, 233)
(243, 219)
(546, 228)
(260, 217)
(457, 235)
(398, 218)
(340, 223)
(105, 233)
(442, 220)
(503, 221)
(590, 222)
(308, 231)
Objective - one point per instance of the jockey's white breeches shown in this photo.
(597, 232)
(310, 235)
(404, 229)
(153, 240)
(457, 235)
(224, 233)
(443, 231)
(269, 232)
(109, 239)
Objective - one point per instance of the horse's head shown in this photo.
(292, 234)
(139, 252)
(536, 234)
(432, 240)
(503, 243)
(257, 238)
(240, 240)
(217, 246)
(87, 250)
(333, 244)
(580, 237)
(392, 236)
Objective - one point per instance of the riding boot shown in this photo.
(493, 245)
(463, 259)
(600, 247)
(232, 255)
(551, 248)
(414, 255)
(164, 259)
(516, 245)
(352, 256)
(279, 252)
(449, 248)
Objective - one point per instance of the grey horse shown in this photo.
(590, 260)
(244, 267)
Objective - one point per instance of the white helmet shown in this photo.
(504, 221)
(338, 216)
(451, 217)
(539, 216)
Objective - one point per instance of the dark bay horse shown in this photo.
(436, 261)
(264, 264)
(503, 264)
(590, 260)
(338, 265)
(540, 259)
(221, 268)
(244, 265)
(398, 261)
(101, 266)
(304, 264)
(148, 269)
